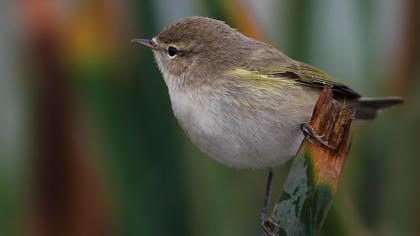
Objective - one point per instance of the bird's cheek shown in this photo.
(180, 70)
(179, 67)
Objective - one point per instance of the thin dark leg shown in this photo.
(267, 195)
(267, 224)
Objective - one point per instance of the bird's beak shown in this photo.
(145, 42)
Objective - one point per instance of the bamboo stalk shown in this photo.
(315, 172)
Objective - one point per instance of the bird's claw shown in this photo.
(268, 225)
(313, 137)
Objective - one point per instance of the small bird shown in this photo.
(242, 101)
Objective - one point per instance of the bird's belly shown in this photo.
(248, 145)
(242, 141)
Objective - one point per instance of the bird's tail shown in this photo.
(367, 108)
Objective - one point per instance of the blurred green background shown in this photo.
(89, 145)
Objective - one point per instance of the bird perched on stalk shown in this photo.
(242, 101)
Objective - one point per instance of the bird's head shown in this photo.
(197, 46)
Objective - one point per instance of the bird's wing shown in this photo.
(269, 61)
(312, 77)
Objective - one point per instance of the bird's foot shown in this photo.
(313, 137)
(268, 225)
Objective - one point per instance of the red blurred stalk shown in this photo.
(240, 14)
(65, 198)
(409, 56)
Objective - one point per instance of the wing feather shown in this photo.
(312, 77)
(268, 61)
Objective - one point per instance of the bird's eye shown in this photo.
(172, 51)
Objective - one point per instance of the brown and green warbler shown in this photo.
(242, 101)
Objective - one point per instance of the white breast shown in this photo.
(257, 140)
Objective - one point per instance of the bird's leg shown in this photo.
(311, 135)
(267, 224)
